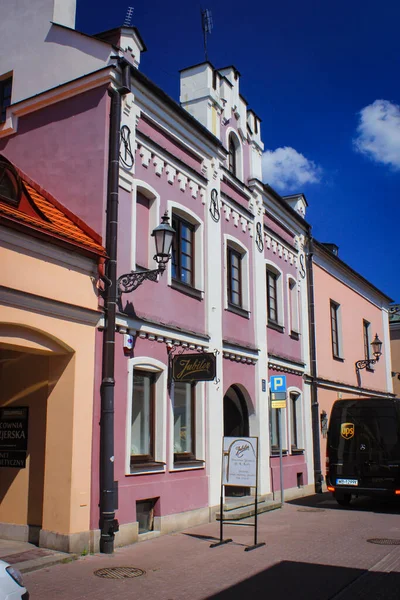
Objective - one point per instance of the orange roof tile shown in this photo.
(51, 218)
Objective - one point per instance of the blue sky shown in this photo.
(324, 78)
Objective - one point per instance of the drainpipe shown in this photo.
(313, 370)
(108, 522)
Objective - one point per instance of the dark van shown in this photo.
(363, 448)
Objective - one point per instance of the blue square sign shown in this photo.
(278, 383)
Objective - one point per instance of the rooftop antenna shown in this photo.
(207, 25)
(128, 18)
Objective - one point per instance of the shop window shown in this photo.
(184, 399)
(142, 425)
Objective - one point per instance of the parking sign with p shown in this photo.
(278, 383)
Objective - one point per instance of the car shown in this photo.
(11, 584)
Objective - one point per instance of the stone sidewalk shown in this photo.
(315, 550)
(27, 557)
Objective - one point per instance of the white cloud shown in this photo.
(378, 133)
(286, 169)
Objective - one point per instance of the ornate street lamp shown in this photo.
(163, 237)
(376, 351)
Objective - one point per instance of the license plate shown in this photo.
(346, 481)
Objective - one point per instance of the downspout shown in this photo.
(108, 522)
(313, 368)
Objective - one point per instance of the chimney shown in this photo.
(64, 13)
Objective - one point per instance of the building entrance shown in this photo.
(236, 424)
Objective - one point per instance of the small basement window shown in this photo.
(145, 514)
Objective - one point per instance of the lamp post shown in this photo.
(163, 237)
(376, 351)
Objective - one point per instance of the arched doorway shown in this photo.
(236, 424)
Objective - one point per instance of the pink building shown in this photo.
(236, 287)
(349, 313)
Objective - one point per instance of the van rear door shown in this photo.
(363, 445)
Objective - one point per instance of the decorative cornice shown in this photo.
(159, 164)
(283, 369)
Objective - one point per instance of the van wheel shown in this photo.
(342, 498)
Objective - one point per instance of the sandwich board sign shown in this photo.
(240, 461)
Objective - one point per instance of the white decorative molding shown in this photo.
(171, 174)
(158, 165)
(239, 357)
(182, 180)
(145, 155)
(194, 188)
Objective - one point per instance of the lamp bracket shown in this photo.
(362, 364)
(131, 281)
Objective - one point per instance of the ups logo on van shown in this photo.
(347, 430)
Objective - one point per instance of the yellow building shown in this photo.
(50, 265)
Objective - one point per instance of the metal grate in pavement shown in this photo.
(119, 572)
(385, 541)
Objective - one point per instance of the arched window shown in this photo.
(232, 166)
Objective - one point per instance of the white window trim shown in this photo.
(300, 417)
(200, 449)
(154, 220)
(293, 307)
(235, 244)
(191, 217)
(239, 152)
(145, 363)
(270, 266)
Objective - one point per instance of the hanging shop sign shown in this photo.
(240, 461)
(194, 367)
(13, 436)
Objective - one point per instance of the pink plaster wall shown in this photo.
(292, 464)
(178, 491)
(354, 308)
(159, 301)
(169, 143)
(275, 226)
(64, 148)
(244, 376)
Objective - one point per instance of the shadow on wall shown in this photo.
(305, 581)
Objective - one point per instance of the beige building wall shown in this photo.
(47, 352)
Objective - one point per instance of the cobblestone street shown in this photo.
(314, 550)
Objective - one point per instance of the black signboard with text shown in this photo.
(194, 367)
(13, 436)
